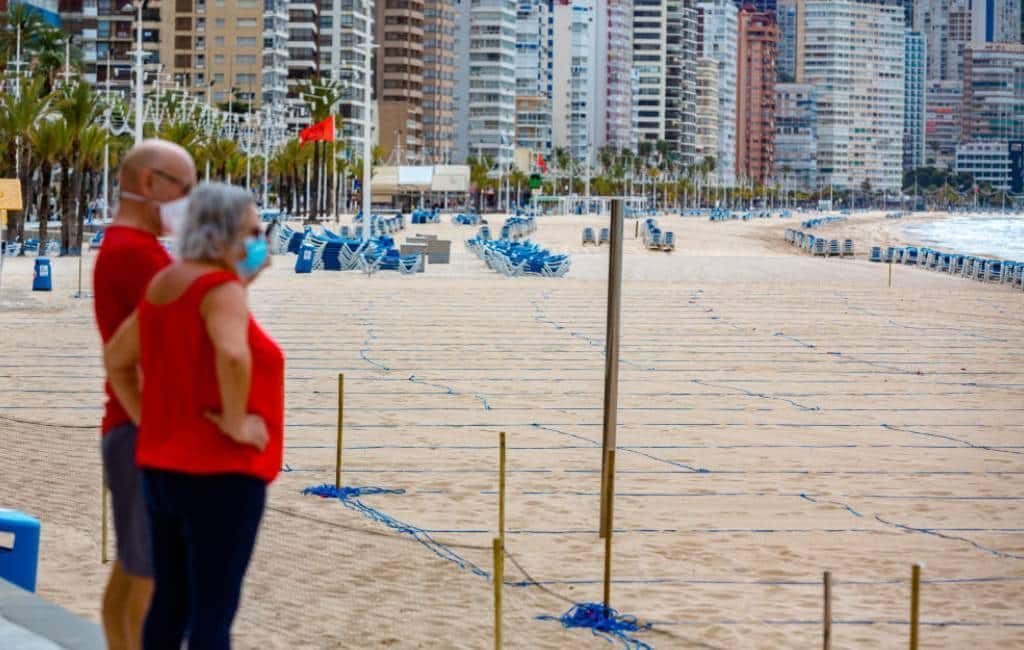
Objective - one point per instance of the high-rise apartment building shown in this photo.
(534, 75)
(786, 16)
(491, 80)
(579, 77)
(680, 84)
(460, 139)
(718, 34)
(755, 94)
(399, 79)
(343, 30)
(853, 54)
(438, 80)
(649, 64)
(303, 56)
(950, 25)
(213, 52)
(688, 128)
(914, 69)
(619, 127)
(707, 110)
(796, 139)
(681, 79)
(107, 39)
(988, 162)
(220, 50)
(946, 25)
(995, 21)
(943, 101)
(993, 92)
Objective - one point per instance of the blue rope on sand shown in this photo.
(603, 622)
(349, 497)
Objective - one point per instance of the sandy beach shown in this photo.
(780, 415)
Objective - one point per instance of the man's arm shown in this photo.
(121, 358)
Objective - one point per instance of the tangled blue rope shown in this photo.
(603, 622)
(349, 497)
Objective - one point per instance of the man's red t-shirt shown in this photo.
(128, 260)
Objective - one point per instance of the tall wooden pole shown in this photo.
(827, 631)
(341, 415)
(501, 488)
(915, 605)
(611, 362)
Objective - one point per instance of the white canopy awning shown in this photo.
(450, 178)
(408, 178)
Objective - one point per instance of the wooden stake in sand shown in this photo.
(827, 640)
(501, 488)
(610, 464)
(499, 581)
(890, 274)
(611, 363)
(915, 604)
(341, 415)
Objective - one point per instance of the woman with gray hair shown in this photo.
(211, 417)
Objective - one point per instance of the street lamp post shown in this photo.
(139, 60)
(209, 117)
(367, 148)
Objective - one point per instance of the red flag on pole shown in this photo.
(541, 164)
(319, 132)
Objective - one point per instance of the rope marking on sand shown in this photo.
(349, 497)
(965, 443)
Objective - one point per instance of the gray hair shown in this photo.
(214, 219)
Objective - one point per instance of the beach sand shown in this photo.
(779, 416)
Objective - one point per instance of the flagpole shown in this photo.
(334, 169)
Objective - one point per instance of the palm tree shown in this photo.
(786, 171)
(184, 133)
(480, 176)
(220, 152)
(18, 15)
(516, 178)
(49, 141)
(48, 47)
(288, 166)
(19, 117)
(79, 109)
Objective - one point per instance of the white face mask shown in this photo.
(172, 213)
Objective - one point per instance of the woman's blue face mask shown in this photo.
(255, 257)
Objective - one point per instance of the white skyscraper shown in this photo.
(492, 80)
(995, 21)
(534, 68)
(950, 25)
(619, 127)
(719, 28)
(342, 52)
(579, 80)
(854, 55)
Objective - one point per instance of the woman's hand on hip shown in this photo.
(252, 430)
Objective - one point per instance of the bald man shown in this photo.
(156, 178)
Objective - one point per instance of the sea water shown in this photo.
(993, 236)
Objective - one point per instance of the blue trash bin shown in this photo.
(304, 263)
(42, 279)
(19, 548)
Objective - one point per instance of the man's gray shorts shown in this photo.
(124, 478)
